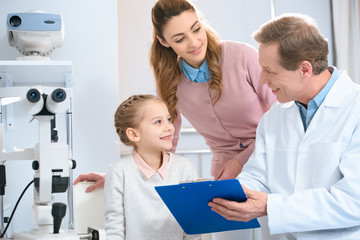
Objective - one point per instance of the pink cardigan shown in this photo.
(229, 126)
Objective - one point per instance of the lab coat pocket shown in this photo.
(324, 163)
(281, 168)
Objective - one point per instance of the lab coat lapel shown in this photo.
(327, 113)
(293, 121)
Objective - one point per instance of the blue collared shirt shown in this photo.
(200, 75)
(314, 104)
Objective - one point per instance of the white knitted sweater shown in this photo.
(134, 210)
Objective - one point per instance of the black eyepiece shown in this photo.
(33, 95)
(58, 95)
(15, 21)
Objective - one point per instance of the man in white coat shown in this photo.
(304, 174)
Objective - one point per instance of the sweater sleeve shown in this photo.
(114, 206)
(244, 155)
(255, 173)
(192, 237)
(264, 93)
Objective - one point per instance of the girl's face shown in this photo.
(155, 130)
(186, 35)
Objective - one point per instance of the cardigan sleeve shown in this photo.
(263, 92)
(244, 155)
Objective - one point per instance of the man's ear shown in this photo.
(132, 134)
(163, 42)
(306, 69)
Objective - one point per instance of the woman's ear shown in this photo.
(163, 42)
(132, 134)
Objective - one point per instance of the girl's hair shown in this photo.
(298, 39)
(128, 115)
(165, 62)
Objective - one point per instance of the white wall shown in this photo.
(135, 32)
(244, 17)
(91, 44)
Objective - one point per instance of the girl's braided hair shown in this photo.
(128, 115)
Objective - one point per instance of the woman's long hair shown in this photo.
(165, 62)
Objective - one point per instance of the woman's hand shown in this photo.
(98, 178)
(230, 170)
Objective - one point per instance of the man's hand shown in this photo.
(255, 206)
(230, 170)
(98, 178)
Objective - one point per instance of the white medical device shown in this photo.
(51, 162)
(35, 33)
(51, 159)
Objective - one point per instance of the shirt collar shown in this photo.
(200, 75)
(320, 97)
(308, 113)
(147, 170)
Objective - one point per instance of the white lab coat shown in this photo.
(312, 177)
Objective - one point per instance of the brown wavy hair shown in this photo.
(165, 62)
(299, 39)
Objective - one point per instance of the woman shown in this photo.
(213, 84)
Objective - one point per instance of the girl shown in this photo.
(133, 209)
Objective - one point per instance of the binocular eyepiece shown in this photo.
(46, 101)
(58, 95)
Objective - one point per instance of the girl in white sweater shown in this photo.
(133, 209)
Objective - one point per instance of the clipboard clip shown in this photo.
(198, 180)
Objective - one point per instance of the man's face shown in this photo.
(285, 84)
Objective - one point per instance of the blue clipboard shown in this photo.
(188, 203)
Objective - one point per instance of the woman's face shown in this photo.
(186, 35)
